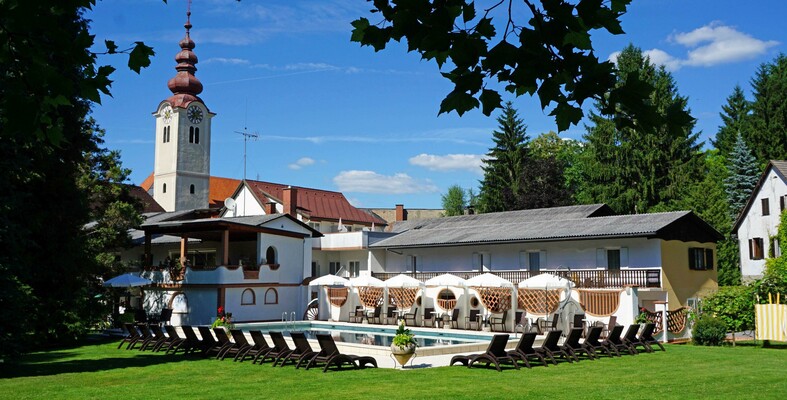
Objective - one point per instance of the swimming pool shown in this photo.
(371, 335)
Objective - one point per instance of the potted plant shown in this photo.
(403, 345)
(223, 319)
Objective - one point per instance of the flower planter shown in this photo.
(403, 355)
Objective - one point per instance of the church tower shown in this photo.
(181, 175)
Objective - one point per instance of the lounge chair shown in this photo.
(145, 336)
(261, 350)
(572, 346)
(283, 349)
(591, 343)
(375, 317)
(524, 350)
(157, 340)
(224, 341)
(240, 347)
(631, 340)
(550, 348)
(192, 342)
(428, 316)
(613, 322)
(495, 354)
(411, 317)
(646, 337)
(615, 344)
(473, 318)
(303, 350)
(210, 342)
(173, 342)
(330, 356)
(357, 315)
(500, 322)
(133, 335)
(454, 318)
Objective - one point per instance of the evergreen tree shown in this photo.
(735, 116)
(454, 201)
(642, 167)
(543, 184)
(742, 173)
(505, 162)
(767, 137)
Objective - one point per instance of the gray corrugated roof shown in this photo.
(510, 227)
(462, 221)
(780, 165)
(253, 220)
(138, 238)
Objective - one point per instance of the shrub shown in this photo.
(732, 304)
(709, 331)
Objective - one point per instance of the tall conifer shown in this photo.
(735, 116)
(767, 137)
(504, 164)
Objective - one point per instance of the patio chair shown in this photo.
(550, 348)
(454, 318)
(330, 356)
(275, 352)
(545, 326)
(224, 341)
(473, 318)
(163, 318)
(375, 316)
(572, 346)
(591, 343)
(156, 341)
(613, 321)
(303, 350)
(614, 343)
(241, 345)
(646, 337)
(390, 316)
(495, 354)
(357, 315)
(133, 335)
(140, 317)
(261, 350)
(579, 322)
(192, 342)
(428, 316)
(281, 345)
(524, 350)
(210, 342)
(631, 340)
(145, 336)
(411, 317)
(173, 342)
(501, 322)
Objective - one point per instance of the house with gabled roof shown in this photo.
(758, 222)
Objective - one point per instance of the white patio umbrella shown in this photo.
(446, 280)
(366, 280)
(489, 280)
(403, 281)
(546, 281)
(127, 280)
(330, 280)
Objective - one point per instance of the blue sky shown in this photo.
(333, 115)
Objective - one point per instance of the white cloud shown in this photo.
(372, 182)
(449, 162)
(302, 162)
(710, 45)
(226, 61)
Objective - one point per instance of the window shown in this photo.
(271, 296)
(412, 263)
(248, 298)
(755, 249)
(781, 203)
(164, 188)
(315, 226)
(196, 135)
(191, 134)
(355, 268)
(165, 135)
(700, 258)
(191, 189)
(333, 267)
(315, 269)
(270, 255)
(197, 258)
(774, 251)
(613, 259)
(766, 209)
(534, 261)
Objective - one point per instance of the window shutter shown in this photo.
(781, 203)
(475, 262)
(692, 258)
(708, 258)
(524, 260)
(409, 264)
(542, 262)
(601, 258)
(751, 250)
(624, 256)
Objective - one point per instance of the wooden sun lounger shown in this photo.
(551, 349)
(614, 343)
(591, 343)
(330, 356)
(524, 350)
(495, 354)
(278, 350)
(132, 337)
(303, 350)
(572, 346)
(632, 341)
(646, 337)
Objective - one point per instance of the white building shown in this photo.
(758, 222)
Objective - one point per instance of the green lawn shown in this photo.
(98, 370)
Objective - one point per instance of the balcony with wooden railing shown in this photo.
(582, 278)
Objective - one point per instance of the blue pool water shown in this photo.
(366, 334)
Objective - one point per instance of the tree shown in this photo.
(566, 154)
(454, 201)
(49, 79)
(735, 116)
(767, 138)
(504, 164)
(742, 173)
(543, 184)
(550, 55)
(643, 168)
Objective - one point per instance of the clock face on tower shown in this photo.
(167, 114)
(195, 114)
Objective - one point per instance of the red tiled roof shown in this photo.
(316, 203)
(148, 204)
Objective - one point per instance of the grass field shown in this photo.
(97, 370)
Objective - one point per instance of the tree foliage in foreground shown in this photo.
(543, 50)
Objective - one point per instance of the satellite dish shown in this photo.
(230, 203)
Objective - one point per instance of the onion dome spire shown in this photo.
(184, 85)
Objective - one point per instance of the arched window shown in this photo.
(179, 303)
(196, 135)
(248, 298)
(191, 134)
(164, 135)
(270, 255)
(191, 189)
(164, 188)
(271, 296)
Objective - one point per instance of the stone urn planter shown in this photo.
(403, 355)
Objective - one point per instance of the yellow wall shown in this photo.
(678, 280)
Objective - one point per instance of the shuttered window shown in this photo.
(755, 249)
(700, 258)
(766, 208)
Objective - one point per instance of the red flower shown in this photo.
(221, 310)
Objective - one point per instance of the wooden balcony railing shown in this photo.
(583, 278)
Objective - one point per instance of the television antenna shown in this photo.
(246, 136)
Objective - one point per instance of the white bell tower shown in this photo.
(181, 175)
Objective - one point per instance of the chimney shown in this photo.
(269, 208)
(401, 213)
(469, 210)
(291, 201)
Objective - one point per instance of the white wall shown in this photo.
(756, 225)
